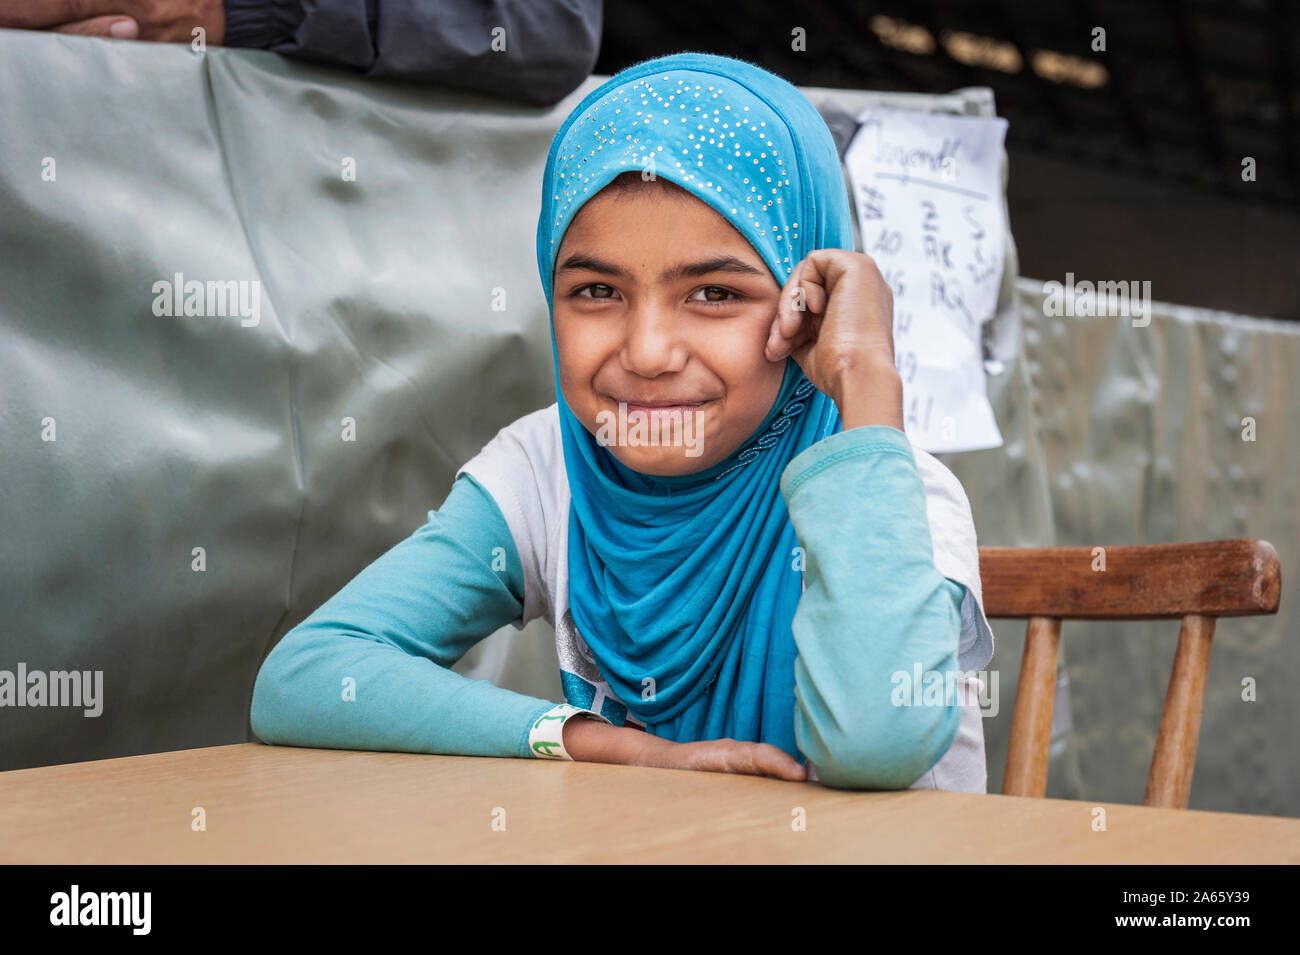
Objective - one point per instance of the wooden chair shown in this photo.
(1194, 582)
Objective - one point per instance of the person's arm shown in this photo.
(538, 52)
(369, 670)
(875, 606)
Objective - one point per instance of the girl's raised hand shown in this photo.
(836, 318)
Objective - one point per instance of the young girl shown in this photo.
(748, 566)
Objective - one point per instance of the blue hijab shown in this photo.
(684, 587)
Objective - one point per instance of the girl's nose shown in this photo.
(652, 343)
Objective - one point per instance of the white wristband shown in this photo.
(546, 735)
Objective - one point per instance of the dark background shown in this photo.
(1128, 172)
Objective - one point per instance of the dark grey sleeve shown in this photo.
(550, 46)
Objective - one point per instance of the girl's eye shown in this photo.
(711, 290)
(713, 294)
(591, 288)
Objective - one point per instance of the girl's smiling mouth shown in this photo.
(659, 405)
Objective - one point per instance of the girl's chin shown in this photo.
(661, 462)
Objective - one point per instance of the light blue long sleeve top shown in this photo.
(875, 605)
(370, 669)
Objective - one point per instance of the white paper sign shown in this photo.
(928, 189)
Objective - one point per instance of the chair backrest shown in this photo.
(1195, 582)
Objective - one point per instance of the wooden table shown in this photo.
(272, 804)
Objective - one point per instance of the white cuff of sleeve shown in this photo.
(546, 735)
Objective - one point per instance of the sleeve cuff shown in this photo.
(546, 735)
(261, 24)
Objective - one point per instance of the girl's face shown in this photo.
(661, 305)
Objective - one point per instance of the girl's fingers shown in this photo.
(779, 345)
(774, 761)
(792, 316)
(786, 321)
(808, 290)
(804, 295)
(788, 317)
(726, 756)
(755, 759)
(813, 279)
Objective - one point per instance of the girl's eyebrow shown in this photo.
(724, 263)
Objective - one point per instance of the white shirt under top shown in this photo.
(522, 467)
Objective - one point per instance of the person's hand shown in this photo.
(163, 21)
(592, 741)
(724, 756)
(842, 336)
